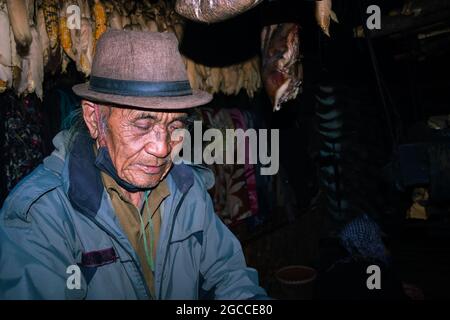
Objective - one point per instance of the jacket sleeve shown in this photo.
(223, 266)
(35, 254)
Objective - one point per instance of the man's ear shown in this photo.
(90, 117)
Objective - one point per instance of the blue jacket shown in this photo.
(60, 216)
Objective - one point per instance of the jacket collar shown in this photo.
(85, 184)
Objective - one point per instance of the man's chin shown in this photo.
(146, 185)
(143, 180)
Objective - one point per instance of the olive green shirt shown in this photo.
(129, 219)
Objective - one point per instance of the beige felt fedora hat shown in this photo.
(140, 69)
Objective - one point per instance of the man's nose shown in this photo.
(158, 144)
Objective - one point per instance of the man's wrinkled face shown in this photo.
(139, 143)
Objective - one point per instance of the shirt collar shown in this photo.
(156, 196)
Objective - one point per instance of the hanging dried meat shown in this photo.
(32, 75)
(43, 36)
(18, 17)
(115, 20)
(323, 15)
(16, 60)
(86, 47)
(59, 44)
(282, 72)
(213, 10)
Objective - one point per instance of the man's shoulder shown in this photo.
(31, 188)
(202, 177)
(196, 200)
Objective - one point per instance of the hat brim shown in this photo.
(197, 98)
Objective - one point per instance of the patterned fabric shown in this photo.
(26, 131)
(22, 141)
(362, 236)
(230, 193)
(239, 122)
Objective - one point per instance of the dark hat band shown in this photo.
(140, 88)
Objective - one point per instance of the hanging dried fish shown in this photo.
(130, 6)
(202, 71)
(16, 60)
(85, 9)
(109, 7)
(135, 27)
(32, 75)
(31, 11)
(139, 17)
(151, 25)
(75, 36)
(161, 23)
(192, 73)
(214, 80)
(119, 7)
(18, 17)
(125, 21)
(282, 72)
(323, 15)
(50, 8)
(147, 4)
(257, 73)
(175, 17)
(115, 21)
(37, 64)
(213, 10)
(247, 72)
(86, 47)
(179, 30)
(240, 79)
(231, 80)
(6, 77)
(45, 42)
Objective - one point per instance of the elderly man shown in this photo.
(108, 215)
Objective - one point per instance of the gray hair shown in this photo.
(74, 123)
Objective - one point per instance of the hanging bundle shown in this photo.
(54, 45)
(18, 17)
(324, 14)
(32, 75)
(213, 10)
(43, 36)
(5, 50)
(282, 71)
(229, 80)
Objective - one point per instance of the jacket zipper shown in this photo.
(147, 290)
